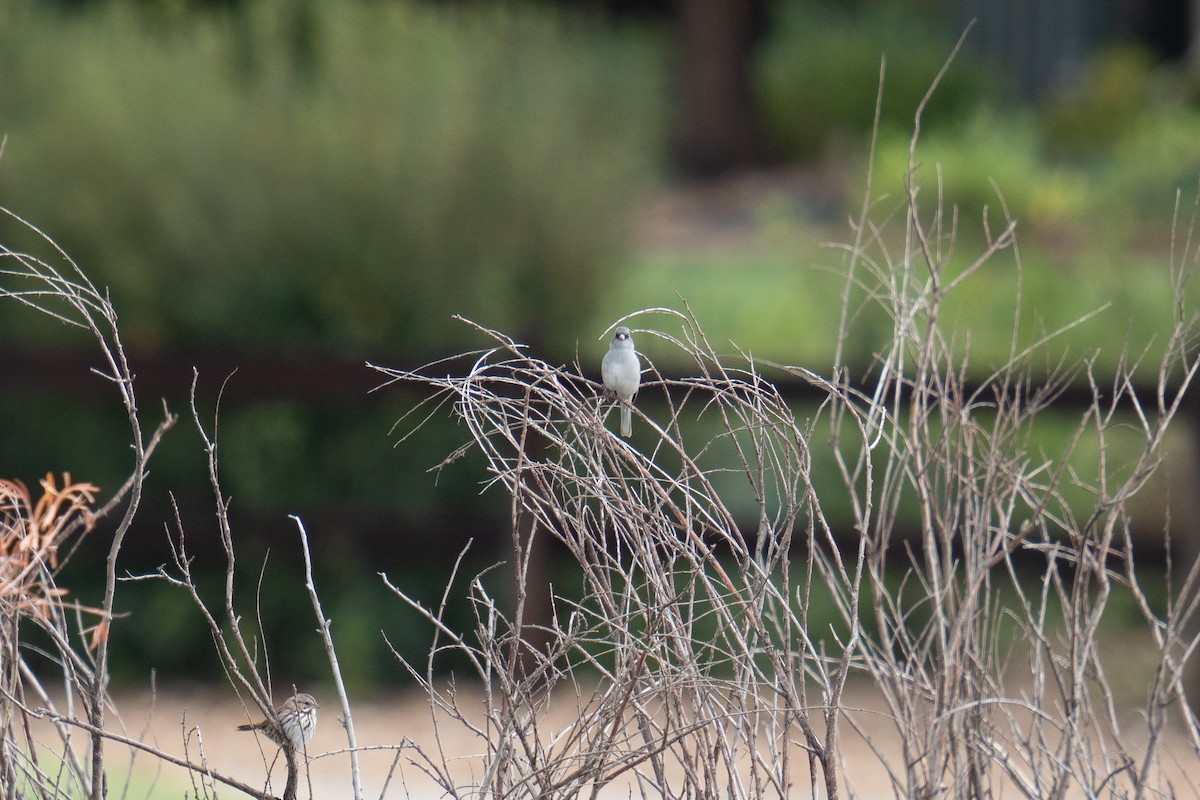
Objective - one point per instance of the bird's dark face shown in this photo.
(622, 335)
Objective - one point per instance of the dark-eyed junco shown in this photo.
(622, 373)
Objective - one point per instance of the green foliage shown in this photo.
(989, 160)
(818, 73)
(1114, 92)
(1097, 164)
(340, 177)
(160, 629)
(1002, 159)
(1156, 158)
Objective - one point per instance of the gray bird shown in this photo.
(622, 373)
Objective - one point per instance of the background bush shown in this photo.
(330, 177)
(817, 73)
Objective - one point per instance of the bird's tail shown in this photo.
(246, 727)
(626, 421)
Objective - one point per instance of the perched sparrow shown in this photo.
(297, 720)
(622, 373)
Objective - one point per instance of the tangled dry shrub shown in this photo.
(683, 674)
(689, 657)
(31, 536)
(690, 660)
(62, 675)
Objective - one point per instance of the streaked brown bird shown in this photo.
(297, 720)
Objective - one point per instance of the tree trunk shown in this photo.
(719, 125)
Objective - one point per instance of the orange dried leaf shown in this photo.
(99, 634)
(30, 536)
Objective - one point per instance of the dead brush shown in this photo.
(31, 535)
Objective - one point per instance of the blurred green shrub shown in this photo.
(1115, 89)
(817, 73)
(1097, 162)
(989, 160)
(1110, 197)
(1157, 156)
(162, 630)
(336, 176)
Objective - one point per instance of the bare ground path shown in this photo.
(206, 719)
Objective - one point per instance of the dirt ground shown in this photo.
(206, 720)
